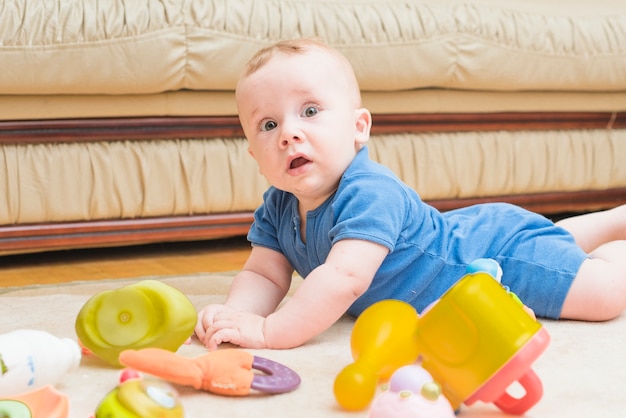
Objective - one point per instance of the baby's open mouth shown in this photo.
(298, 162)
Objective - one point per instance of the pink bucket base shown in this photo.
(518, 369)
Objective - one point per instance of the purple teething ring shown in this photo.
(277, 378)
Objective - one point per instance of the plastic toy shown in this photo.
(31, 359)
(491, 266)
(137, 397)
(476, 341)
(145, 314)
(485, 265)
(45, 402)
(224, 372)
(411, 393)
(384, 338)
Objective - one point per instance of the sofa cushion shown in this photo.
(152, 46)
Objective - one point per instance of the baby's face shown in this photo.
(301, 116)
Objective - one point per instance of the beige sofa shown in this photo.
(118, 125)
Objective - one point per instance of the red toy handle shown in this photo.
(518, 406)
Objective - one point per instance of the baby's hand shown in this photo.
(220, 324)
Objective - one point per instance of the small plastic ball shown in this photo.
(431, 391)
(410, 378)
(128, 374)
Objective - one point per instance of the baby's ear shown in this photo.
(363, 124)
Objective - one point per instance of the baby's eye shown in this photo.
(310, 111)
(268, 125)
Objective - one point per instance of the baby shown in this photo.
(357, 234)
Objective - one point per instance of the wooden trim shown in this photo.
(548, 203)
(116, 129)
(507, 121)
(45, 237)
(51, 236)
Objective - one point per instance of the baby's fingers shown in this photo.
(239, 328)
(200, 329)
(206, 317)
(223, 329)
(224, 335)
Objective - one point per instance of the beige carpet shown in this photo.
(583, 369)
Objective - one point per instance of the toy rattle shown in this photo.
(384, 338)
(138, 397)
(145, 314)
(475, 341)
(224, 372)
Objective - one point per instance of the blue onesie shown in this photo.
(428, 250)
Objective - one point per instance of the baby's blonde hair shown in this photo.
(301, 46)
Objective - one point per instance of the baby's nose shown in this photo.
(291, 133)
(290, 139)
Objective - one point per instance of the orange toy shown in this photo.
(45, 402)
(224, 372)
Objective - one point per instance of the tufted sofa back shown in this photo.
(152, 46)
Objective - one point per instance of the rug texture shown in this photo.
(583, 370)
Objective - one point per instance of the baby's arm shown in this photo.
(262, 284)
(326, 294)
(257, 289)
(323, 297)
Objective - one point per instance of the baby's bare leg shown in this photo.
(591, 230)
(598, 292)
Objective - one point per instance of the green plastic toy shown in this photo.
(145, 314)
(136, 397)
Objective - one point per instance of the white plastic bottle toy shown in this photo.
(30, 359)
